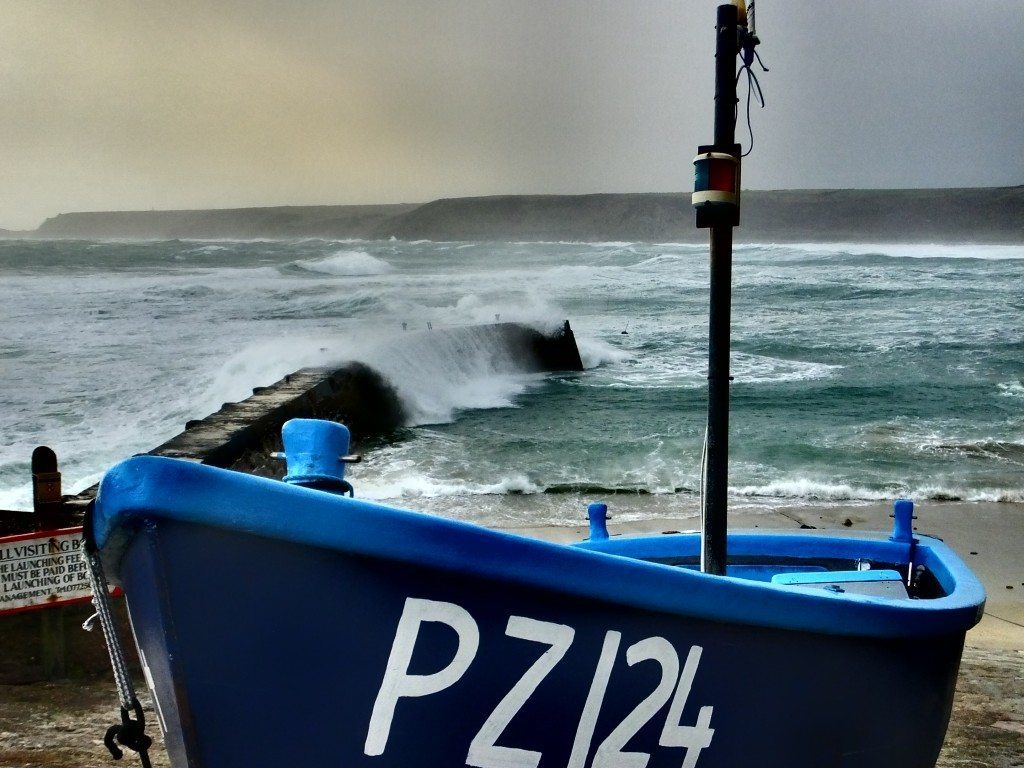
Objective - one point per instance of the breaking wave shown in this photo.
(801, 491)
(798, 492)
(596, 353)
(346, 264)
(418, 485)
(810, 490)
(438, 373)
(435, 373)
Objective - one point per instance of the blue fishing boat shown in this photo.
(288, 623)
(285, 625)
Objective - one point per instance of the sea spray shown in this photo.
(439, 373)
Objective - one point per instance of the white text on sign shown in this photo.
(42, 569)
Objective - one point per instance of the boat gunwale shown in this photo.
(147, 487)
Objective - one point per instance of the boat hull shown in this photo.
(293, 677)
(269, 652)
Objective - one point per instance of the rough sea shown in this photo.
(862, 372)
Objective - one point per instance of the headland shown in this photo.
(993, 215)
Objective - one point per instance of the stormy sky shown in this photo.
(129, 105)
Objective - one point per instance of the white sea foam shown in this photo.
(949, 438)
(671, 260)
(419, 485)
(759, 369)
(528, 307)
(579, 243)
(594, 352)
(262, 363)
(687, 368)
(650, 372)
(991, 495)
(405, 483)
(802, 488)
(1011, 388)
(900, 250)
(16, 497)
(439, 373)
(695, 247)
(435, 373)
(347, 264)
(1004, 495)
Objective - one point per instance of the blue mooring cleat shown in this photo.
(598, 515)
(317, 451)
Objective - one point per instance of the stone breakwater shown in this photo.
(242, 435)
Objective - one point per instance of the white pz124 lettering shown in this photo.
(483, 750)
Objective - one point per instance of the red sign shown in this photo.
(42, 569)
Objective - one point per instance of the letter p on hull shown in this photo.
(398, 683)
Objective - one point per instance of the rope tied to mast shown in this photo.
(748, 42)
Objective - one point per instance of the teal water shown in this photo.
(862, 372)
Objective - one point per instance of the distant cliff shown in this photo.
(985, 215)
(329, 221)
(991, 215)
